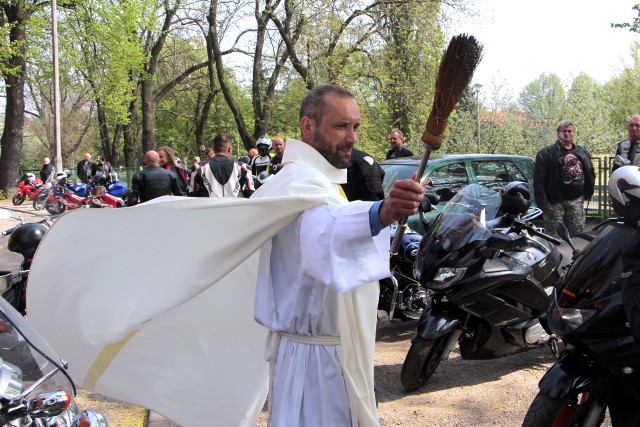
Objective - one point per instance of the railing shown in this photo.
(598, 206)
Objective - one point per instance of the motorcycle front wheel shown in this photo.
(39, 201)
(54, 207)
(421, 362)
(546, 411)
(18, 199)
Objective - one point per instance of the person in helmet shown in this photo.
(624, 197)
(260, 163)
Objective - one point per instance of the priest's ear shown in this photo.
(308, 128)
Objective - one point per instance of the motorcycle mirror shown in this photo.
(428, 200)
(563, 232)
(49, 404)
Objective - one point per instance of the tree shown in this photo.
(543, 100)
(588, 108)
(14, 23)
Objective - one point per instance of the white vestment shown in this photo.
(157, 308)
(317, 278)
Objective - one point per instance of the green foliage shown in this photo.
(634, 25)
(543, 100)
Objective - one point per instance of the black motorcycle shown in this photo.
(489, 274)
(600, 366)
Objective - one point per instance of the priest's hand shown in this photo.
(403, 200)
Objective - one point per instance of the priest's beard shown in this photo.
(332, 154)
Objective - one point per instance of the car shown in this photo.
(445, 175)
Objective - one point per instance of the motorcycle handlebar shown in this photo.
(10, 230)
(533, 230)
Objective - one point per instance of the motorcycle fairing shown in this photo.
(573, 373)
(438, 321)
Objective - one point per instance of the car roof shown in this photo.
(437, 158)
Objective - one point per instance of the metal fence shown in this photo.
(598, 206)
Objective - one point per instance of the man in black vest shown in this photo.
(627, 149)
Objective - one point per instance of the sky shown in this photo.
(523, 39)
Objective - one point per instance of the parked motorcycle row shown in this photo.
(35, 389)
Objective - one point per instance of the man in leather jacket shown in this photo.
(364, 178)
(564, 178)
(153, 181)
(627, 148)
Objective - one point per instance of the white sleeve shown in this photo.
(337, 248)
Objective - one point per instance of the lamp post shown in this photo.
(56, 88)
(476, 88)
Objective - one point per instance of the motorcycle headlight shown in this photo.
(563, 321)
(445, 277)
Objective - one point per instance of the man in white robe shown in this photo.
(316, 286)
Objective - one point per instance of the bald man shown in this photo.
(153, 181)
(627, 148)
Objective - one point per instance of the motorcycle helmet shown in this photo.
(98, 179)
(244, 159)
(264, 145)
(624, 192)
(25, 239)
(516, 198)
(29, 177)
(263, 177)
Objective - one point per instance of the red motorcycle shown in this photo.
(62, 197)
(28, 186)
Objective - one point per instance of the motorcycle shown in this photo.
(24, 240)
(599, 367)
(401, 295)
(28, 186)
(62, 197)
(111, 183)
(35, 390)
(489, 276)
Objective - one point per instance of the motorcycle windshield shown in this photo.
(463, 218)
(28, 365)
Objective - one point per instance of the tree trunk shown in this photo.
(129, 137)
(12, 134)
(148, 115)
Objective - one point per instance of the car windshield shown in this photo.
(394, 172)
(463, 218)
